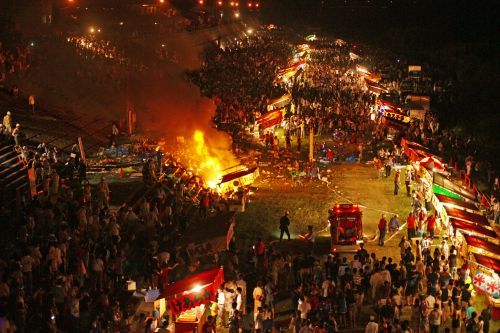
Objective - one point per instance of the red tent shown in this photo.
(466, 216)
(492, 263)
(474, 228)
(482, 244)
(454, 203)
(193, 291)
(271, 118)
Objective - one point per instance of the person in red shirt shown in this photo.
(410, 223)
(431, 224)
(259, 250)
(382, 227)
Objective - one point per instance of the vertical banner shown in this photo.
(82, 152)
(32, 182)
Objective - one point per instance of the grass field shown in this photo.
(308, 205)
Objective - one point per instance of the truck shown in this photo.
(346, 227)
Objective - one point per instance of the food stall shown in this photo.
(187, 299)
(279, 102)
(457, 203)
(462, 227)
(484, 262)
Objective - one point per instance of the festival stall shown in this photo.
(279, 102)
(187, 299)
(271, 119)
(451, 202)
(485, 272)
(241, 177)
(415, 151)
(463, 215)
(483, 258)
(445, 186)
(468, 228)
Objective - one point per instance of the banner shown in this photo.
(195, 290)
(487, 284)
(414, 68)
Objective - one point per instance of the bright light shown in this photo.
(237, 4)
(236, 15)
(257, 5)
(156, 23)
(197, 289)
(219, 3)
(32, 44)
(162, 45)
(162, 1)
(92, 30)
(121, 23)
(98, 30)
(249, 4)
(200, 2)
(231, 3)
(249, 31)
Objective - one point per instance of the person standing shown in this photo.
(408, 181)
(431, 225)
(15, 134)
(258, 298)
(7, 123)
(410, 222)
(284, 224)
(397, 178)
(372, 326)
(435, 319)
(103, 192)
(382, 228)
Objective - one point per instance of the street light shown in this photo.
(219, 3)
(237, 15)
(92, 30)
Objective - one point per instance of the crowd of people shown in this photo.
(67, 255)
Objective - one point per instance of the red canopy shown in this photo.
(271, 118)
(193, 291)
(454, 203)
(482, 244)
(466, 216)
(488, 262)
(471, 227)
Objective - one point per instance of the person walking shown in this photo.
(397, 178)
(7, 123)
(15, 134)
(410, 223)
(284, 224)
(382, 228)
(408, 182)
(431, 225)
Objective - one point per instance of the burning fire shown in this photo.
(209, 167)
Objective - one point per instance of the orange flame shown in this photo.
(209, 167)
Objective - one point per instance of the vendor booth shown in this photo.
(187, 299)
(485, 272)
(415, 151)
(456, 191)
(271, 119)
(457, 203)
(279, 102)
(463, 215)
(481, 245)
(473, 229)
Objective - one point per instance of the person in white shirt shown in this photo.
(372, 326)
(304, 307)
(221, 298)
